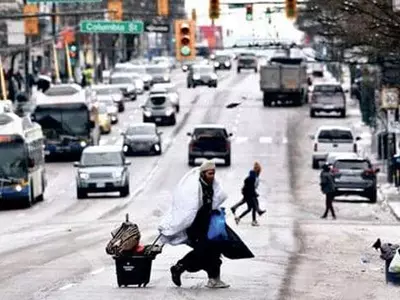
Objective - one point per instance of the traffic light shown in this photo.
(249, 12)
(291, 9)
(214, 9)
(162, 7)
(185, 39)
(268, 15)
(117, 10)
(73, 53)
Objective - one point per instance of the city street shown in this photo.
(56, 249)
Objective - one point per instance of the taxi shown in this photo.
(104, 119)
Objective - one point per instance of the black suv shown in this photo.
(355, 176)
(210, 141)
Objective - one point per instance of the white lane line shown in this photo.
(66, 287)
(98, 271)
(265, 140)
(241, 139)
(131, 117)
(284, 140)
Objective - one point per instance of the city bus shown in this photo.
(68, 121)
(22, 166)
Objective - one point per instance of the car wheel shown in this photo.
(173, 120)
(315, 164)
(255, 70)
(343, 113)
(216, 85)
(372, 195)
(188, 85)
(191, 161)
(312, 113)
(228, 160)
(124, 191)
(238, 70)
(178, 108)
(80, 193)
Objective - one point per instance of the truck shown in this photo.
(284, 80)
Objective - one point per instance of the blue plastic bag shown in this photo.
(217, 228)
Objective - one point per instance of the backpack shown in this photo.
(124, 238)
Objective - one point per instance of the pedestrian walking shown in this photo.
(198, 195)
(257, 169)
(328, 188)
(249, 195)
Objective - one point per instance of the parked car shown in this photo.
(209, 141)
(102, 169)
(355, 176)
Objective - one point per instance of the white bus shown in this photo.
(22, 167)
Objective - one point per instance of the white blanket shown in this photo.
(187, 200)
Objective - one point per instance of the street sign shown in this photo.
(124, 27)
(235, 5)
(63, 1)
(149, 27)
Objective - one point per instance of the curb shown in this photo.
(385, 201)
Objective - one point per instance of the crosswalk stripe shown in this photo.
(265, 140)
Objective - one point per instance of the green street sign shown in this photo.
(235, 5)
(63, 1)
(124, 27)
(185, 50)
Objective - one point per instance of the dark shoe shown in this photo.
(233, 210)
(176, 272)
(261, 212)
(323, 217)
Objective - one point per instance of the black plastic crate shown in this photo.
(133, 270)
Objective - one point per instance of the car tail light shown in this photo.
(191, 146)
(369, 172)
(228, 146)
(355, 148)
(335, 171)
(315, 147)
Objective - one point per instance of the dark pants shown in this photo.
(252, 206)
(328, 205)
(205, 256)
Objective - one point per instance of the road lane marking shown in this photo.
(66, 287)
(265, 140)
(240, 139)
(98, 271)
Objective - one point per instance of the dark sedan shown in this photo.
(142, 138)
(159, 73)
(202, 75)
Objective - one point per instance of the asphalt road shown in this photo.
(56, 249)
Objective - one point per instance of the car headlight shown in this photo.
(157, 147)
(18, 187)
(227, 63)
(214, 76)
(166, 77)
(196, 77)
(216, 64)
(169, 111)
(83, 144)
(84, 176)
(130, 89)
(147, 113)
(184, 68)
(117, 174)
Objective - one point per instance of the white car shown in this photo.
(171, 90)
(332, 139)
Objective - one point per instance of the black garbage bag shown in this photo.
(234, 247)
(388, 250)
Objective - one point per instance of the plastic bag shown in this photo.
(394, 266)
(217, 228)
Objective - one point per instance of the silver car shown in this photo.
(171, 90)
(142, 138)
(107, 92)
(158, 109)
(102, 169)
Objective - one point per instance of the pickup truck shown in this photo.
(209, 141)
(328, 97)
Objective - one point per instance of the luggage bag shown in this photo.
(136, 269)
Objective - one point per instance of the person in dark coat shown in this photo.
(257, 170)
(250, 195)
(205, 254)
(328, 188)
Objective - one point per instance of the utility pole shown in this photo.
(53, 21)
(27, 59)
(94, 47)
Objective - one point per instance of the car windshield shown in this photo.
(156, 70)
(139, 130)
(63, 121)
(328, 88)
(99, 159)
(61, 91)
(121, 80)
(107, 91)
(348, 164)
(203, 70)
(158, 100)
(210, 132)
(335, 135)
(13, 162)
